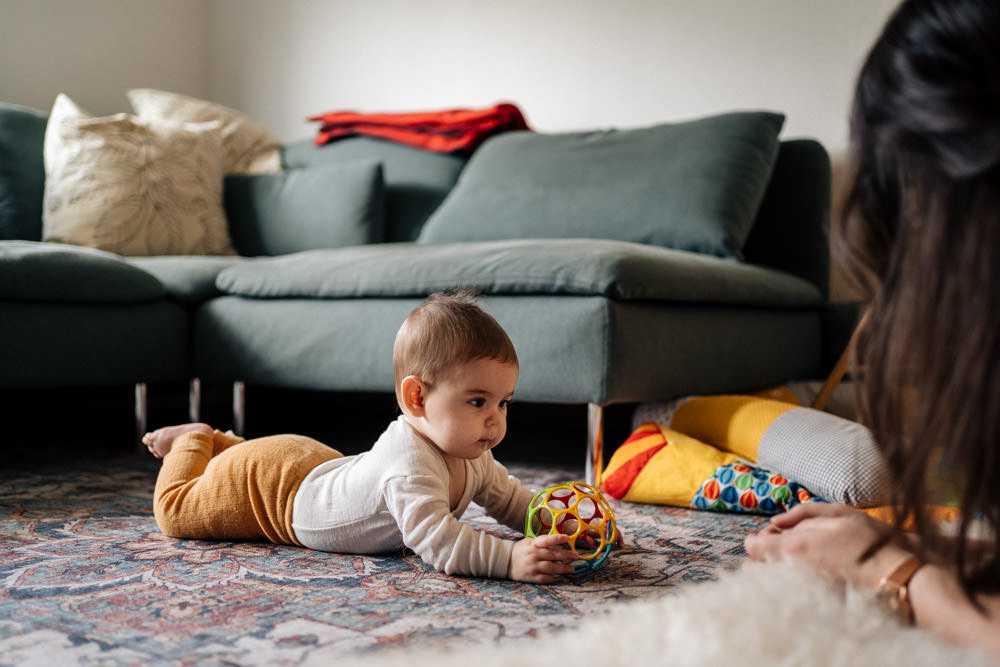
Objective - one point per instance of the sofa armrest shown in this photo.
(791, 230)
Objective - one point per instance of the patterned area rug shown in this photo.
(88, 579)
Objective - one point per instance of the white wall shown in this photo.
(569, 64)
(95, 50)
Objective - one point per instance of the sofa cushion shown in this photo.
(327, 206)
(34, 271)
(416, 181)
(693, 186)
(22, 172)
(188, 280)
(248, 148)
(133, 186)
(616, 269)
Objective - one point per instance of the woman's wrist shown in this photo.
(894, 589)
(880, 565)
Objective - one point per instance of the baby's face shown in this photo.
(466, 413)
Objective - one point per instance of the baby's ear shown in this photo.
(413, 391)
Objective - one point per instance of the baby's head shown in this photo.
(445, 332)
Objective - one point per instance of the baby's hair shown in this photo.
(445, 331)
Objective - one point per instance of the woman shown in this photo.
(922, 233)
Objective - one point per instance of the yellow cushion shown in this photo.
(733, 423)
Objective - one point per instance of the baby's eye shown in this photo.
(477, 402)
(504, 403)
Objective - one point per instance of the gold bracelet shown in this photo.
(894, 589)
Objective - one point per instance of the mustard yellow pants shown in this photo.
(222, 487)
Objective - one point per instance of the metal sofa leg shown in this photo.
(239, 406)
(141, 412)
(194, 400)
(595, 444)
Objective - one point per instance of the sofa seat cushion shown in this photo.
(35, 271)
(188, 279)
(616, 269)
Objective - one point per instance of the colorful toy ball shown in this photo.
(580, 511)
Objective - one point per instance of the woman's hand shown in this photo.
(831, 539)
(537, 559)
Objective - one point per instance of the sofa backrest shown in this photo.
(416, 181)
(790, 232)
(22, 172)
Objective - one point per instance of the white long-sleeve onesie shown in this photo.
(396, 494)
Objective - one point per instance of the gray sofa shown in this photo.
(568, 237)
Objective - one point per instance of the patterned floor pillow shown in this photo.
(662, 466)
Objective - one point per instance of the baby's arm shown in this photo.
(500, 494)
(505, 499)
(419, 504)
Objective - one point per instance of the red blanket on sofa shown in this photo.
(449, 131)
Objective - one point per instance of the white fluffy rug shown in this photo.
(763, 614)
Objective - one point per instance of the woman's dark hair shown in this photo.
(921, 234)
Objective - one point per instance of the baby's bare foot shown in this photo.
(160, 441)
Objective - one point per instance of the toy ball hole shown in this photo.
(541, 521)
(587, 509)
(567, 524)
(560, 498)
(588, 542)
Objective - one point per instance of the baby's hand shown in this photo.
(537, 559)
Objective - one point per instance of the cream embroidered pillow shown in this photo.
(248, 148)
(133, 186)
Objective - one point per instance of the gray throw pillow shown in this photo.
(327, 206)
(22, 172)
(692, 185)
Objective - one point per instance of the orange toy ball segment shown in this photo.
(579, 511)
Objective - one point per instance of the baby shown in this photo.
(455, 369)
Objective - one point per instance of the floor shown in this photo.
(87, 578)
(79, 424)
